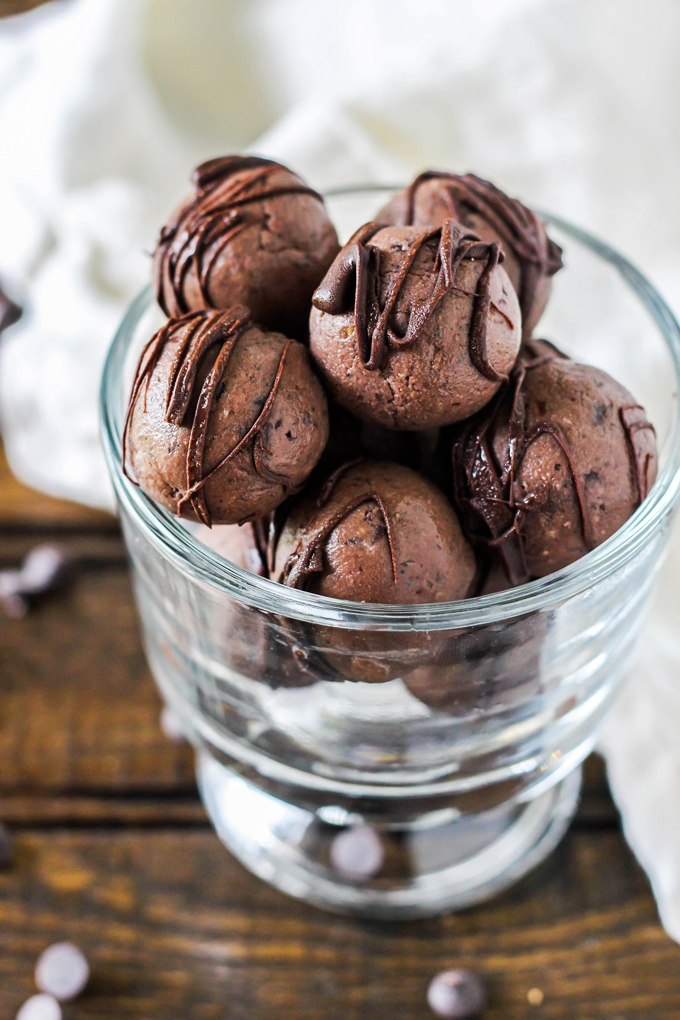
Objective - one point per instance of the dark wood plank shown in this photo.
(164, 808)
(78, 708)
(176, 928)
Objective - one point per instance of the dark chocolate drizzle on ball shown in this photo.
(633, 422)
(358, 265)
(520, 229)
(484, 490)
(214, 218)
(307, 558)
(204, 330)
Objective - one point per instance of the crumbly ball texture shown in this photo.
(432, 380)
(531, 257)
(585, 458)
(377, 532)
(251, 234)
(225, 420)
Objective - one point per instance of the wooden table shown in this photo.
(113, 851)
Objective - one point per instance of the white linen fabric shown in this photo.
(106, 105)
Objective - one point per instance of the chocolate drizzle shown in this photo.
(484, 489)
(520, 230)
(357, 266)
(203, 330)
(634, 424)
(307, 559)
(202, 229)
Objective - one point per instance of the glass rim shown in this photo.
(208, 568)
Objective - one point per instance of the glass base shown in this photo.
(345, 862)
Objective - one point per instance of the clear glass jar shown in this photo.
(456, 769)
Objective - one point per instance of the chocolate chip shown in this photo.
(357, 852)
(456, 994)
(171, 725)
(40, 1007)
(62, 971)
(43, 569)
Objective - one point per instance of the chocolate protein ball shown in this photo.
(531, 257)
(254, 234)
(496, 663)
(374, 532)
(225, 420)
(554, 465)
(415, 328)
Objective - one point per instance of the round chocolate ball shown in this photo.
(481, 667)
(415, 328)
(376, 532)
(225, 420)
(554, 466)
(254, 234)
(531, 257)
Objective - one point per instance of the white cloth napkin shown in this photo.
(106, 105)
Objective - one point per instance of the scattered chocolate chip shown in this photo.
(456, 994)
(40, 1007)
(62, 971)
(44, 568)
(357, 852)
(171, 725)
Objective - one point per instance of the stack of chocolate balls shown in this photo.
(379, 419)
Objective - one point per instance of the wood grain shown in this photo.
(78, 708)
(113, 850)
(174, 927)
(164, 809)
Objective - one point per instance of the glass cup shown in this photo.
(399, 761)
